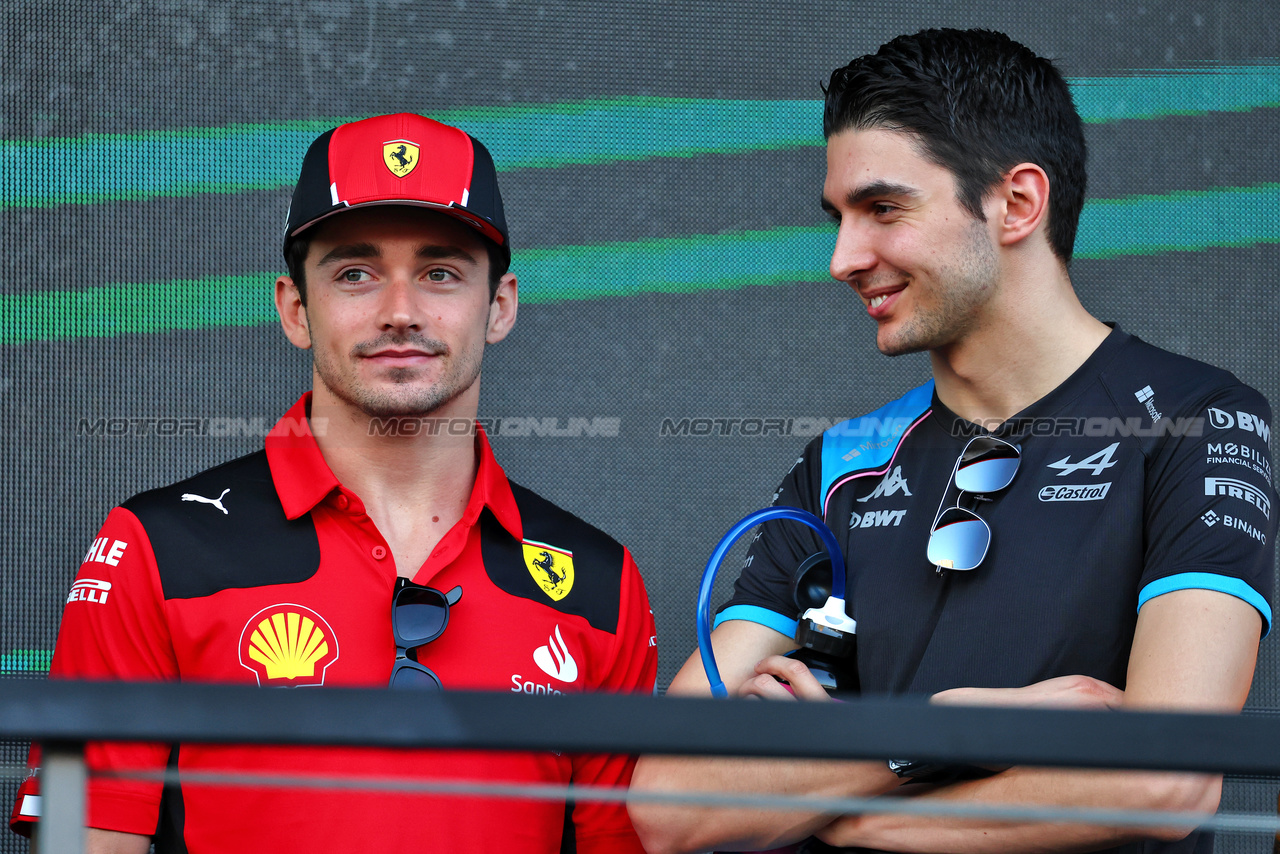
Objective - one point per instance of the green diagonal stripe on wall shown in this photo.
(1231, 217)
(98, 167)
(26, 661)
(1179, 222)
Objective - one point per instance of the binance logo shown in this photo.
(400, 156)
(288, 644)
(551, 567)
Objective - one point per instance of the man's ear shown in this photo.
(1023, 203)
(293, 314)
(502, 309)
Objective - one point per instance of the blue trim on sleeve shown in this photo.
(844, 445)
(1208, 581)
(756, 614)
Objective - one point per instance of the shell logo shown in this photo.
(288, 644)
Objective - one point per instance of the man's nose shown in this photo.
(853, 254)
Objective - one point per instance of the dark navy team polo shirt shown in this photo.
(1143, 473)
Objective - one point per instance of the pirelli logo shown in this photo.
(1239, 490)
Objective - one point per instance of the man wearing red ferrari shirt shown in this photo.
(280, 568)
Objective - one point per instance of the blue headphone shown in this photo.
(831, 615)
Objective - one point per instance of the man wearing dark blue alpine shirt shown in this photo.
(1126, 559)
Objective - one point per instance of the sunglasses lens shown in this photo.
(405, 676)
(418, 616)
(987, 465)
(959, 540)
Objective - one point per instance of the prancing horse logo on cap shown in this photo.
(400, 156)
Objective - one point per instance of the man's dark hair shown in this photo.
(980, 103)
(295, 257)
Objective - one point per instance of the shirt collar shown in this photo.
(303, 479)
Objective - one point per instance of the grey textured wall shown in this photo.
(74, 69)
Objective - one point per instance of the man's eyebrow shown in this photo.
(434, 252)
(879, 188)
(430, 252)
(873, 190)
(347, 251)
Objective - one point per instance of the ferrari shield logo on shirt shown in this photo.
(400, 156)
(551, 568)
(288, 644)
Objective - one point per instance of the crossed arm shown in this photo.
(1193, 650)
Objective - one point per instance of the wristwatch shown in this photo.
(938, 772)
(910, 770)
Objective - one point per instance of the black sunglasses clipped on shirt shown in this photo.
(419, 615)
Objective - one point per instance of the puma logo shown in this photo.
(216, 502)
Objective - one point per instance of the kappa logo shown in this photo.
(1246, 421)
(876, 519)
(550, 566)
(1239, 490)
(1096, 464)
(288, 645)
(890, 485)
(401, 157)
(555, 660)
(89, 590)
(216, 502)
(1146, 397)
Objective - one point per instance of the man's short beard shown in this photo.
(417, 403)
(969, 284)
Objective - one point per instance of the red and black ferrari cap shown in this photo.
(402, 159)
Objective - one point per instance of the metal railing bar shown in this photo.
(62, 786)
(1236, 822)
(869, 728)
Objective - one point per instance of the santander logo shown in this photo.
(554, 659)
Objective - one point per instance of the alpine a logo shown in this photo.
(89, 590)
(1073, 492)
(890, 485)
(1246, 421)
(555, 660)
(1096, 464)
(1239, 490)
(288, 645)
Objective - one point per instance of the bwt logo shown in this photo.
(1246, 421)
(876, 519)
(1240, 490)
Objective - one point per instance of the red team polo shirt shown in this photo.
(267, 571)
